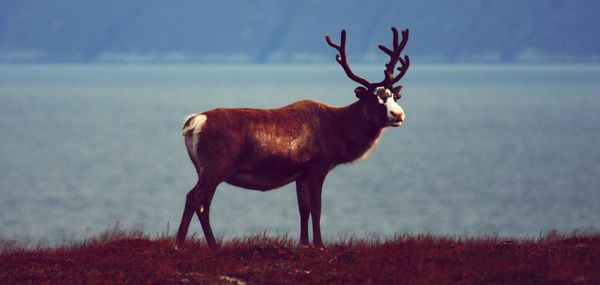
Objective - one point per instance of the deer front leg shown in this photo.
(315, 211)
(303, 208)
(316, 177)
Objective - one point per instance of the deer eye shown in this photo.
(382, 97)
(397, 97)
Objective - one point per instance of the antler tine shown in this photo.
(394, 44)
(334, 45)
(405, 62)
(343, 61)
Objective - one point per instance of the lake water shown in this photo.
(485, 150)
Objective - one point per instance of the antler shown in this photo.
(394, 54)
(343, 61)
(394, 58)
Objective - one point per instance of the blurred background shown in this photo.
(292, 30)
(501, 135)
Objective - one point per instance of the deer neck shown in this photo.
(360, 133)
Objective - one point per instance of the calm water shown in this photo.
(507, 150)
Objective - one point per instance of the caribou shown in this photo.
(265, 149)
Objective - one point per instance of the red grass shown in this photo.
(132, 257)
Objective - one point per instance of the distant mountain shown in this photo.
(292, 30)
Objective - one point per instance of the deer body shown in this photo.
(267, 149)
(264, 149)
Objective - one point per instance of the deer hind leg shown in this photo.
(214, 157)
(197, 201)
(188, 213)
(303, 208)
(190, 132)
(203, 211)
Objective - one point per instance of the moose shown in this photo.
(264, 149)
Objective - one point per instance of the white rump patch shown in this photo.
(193, 123)
(191, 132)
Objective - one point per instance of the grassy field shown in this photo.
(119, 256)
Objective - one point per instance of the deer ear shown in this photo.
(396, 90)
(360, 92)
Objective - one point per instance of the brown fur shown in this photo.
(266, 149)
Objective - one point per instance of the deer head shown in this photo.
(380, 98)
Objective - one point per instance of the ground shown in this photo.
(132, 257)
